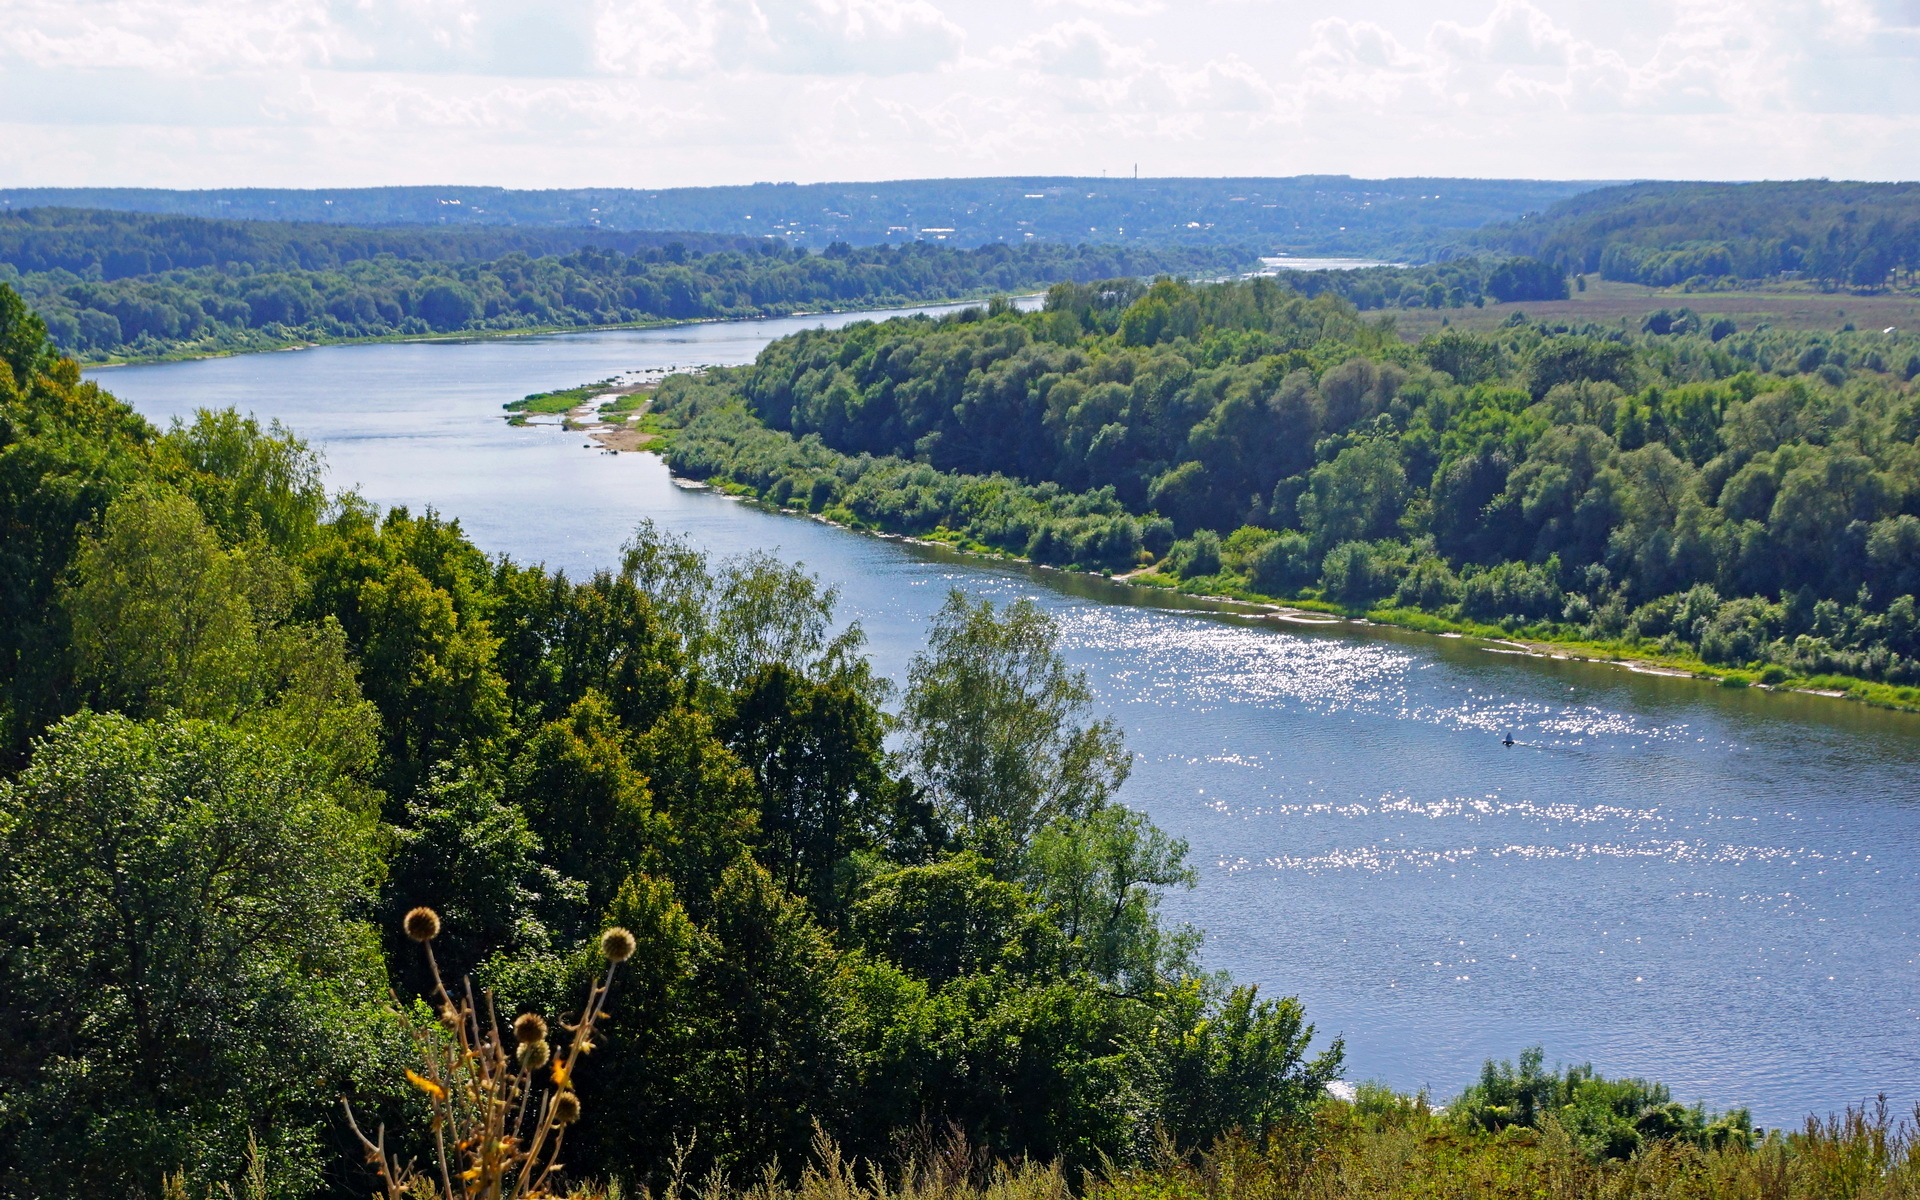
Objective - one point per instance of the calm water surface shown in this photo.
(1711, 887)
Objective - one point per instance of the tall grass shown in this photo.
(1400, 1151)
(1404, 1150)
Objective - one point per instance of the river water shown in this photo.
(1712, 887)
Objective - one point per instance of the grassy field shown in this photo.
(1788, 306)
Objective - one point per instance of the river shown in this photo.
(1712, 887)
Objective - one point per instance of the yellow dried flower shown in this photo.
(529, 1027)
(617, 944)
(566, 1108)
(422, 924)
(534, 1055)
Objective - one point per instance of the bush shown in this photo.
(1431, 584)
(1609, 1118)
(1513, 591)
(1358, 572)
(1284, 565)
(1197, 556)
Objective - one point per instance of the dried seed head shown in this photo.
(566, 1108)
(617, 944)
(422, 924)
(533, 1055)
(529, 1027)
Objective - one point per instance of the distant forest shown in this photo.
(1454, 283)
(1838, 234)
(98, 244)
(1325, 214)
(242, 286)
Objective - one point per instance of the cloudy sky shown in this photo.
(652, 93)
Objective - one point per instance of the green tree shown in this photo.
(1225, 1060)
(164, 620)
(429, 667)
(767, 1054)
(1099, 879)
(160, 613)
(817, 755)
(180, 962)
(472, 857)
(412, 596)
(23, 341)
(647, 1054)
(251, 483)
(948, 919)
(587, 799)
(995, 723)
(706, 798)
(1358, 496)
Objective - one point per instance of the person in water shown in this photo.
(1509, 739)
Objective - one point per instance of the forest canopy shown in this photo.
(245, 725)
(1748, 497)
(1840, 234)
(98, 244)
(116, 287)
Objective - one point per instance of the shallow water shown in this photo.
(1712, 887)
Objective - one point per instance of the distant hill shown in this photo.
(1859, 234)
(1310, 214)
(98, 244)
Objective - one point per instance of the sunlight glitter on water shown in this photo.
(1204, 665)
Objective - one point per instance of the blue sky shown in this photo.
(652, 93)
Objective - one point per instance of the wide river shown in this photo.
(1711, 887)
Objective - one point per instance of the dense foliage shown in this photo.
(1751, 497)
(1607, 1118)
(98, 244)
(1453, 283)
(1853, 234)
(1304, 213)
(243, 302)
(246, 726)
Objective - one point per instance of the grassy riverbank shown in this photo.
(1744, 504)
(708, 436)
(1542, 640)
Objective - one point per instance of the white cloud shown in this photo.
(1118, 8)
(1079, 49)
(555, 92)
(678, 38)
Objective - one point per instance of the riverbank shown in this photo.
(1536, 641)
(1549, 641)
(272, 345)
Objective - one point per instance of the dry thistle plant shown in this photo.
(501, 1103)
